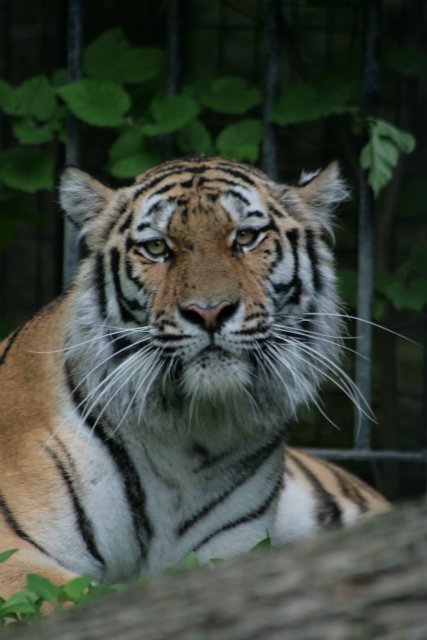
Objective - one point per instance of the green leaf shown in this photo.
(28, 132)
(241, 140)
(408, 295)
(406, 287)
(231, 94)
(409, 60)
(28, 170)
(170, 114)
(403, 140)
(102, 58)
(190, 562)
(23, 602)
(5, 555)
(75, 589)
(143, 64)
(18, 607)
(262, 545)
(42, 587)
(304, 102)
(194, 138)
(381, 154)
(59, 78)
(99, 103)
(111, 57)
(6, 96)
(33, 98)
(132, 154)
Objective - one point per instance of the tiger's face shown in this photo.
(224, 270)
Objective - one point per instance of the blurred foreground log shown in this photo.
(367, 582)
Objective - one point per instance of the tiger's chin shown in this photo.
(215, 375)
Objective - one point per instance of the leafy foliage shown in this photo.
(330, 94)
(111, 57)
(241, 140)
(98, 102)
(381, 154)
(26, 169)
(169, 114)
(122, 89)
(230, 94)
(131, 154)
(403, 288)
(27, 604)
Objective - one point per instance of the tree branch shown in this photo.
(366, 582)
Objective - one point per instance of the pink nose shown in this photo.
(209, 318)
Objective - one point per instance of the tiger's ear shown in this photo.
(82, 197)
(323, 191)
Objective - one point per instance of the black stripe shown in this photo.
(275, 211)
(240, 197)
(278, 255)
(134, 491)
(99, 278)
(122, 347)
(9, 343)
(126, 223)
(236, 174)
(295, 283)
(293, 236)
(152, 183)
(314, 259)
(83, 523)
(255, 214)
(208, 460)
(13, 524)
(243, 469)
(349, 488)
(143, 225)
(125, 306)
(329, 512)
(248, 517)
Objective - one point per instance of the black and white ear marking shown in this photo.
(82, 197)
(323, 190)
(307, 176)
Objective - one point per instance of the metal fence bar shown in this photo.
(367, 454)
(72, 147)
(272, 63)
(365, 270)
(174, 46)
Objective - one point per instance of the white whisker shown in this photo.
(346, 316)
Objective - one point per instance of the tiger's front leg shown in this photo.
(27, 559)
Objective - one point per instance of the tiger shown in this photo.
(143, 413)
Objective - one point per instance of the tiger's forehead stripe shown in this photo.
(240, 201)
(184, 175)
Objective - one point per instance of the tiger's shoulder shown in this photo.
(317, 494)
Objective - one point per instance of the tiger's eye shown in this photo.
(245, 237)
(156, 247)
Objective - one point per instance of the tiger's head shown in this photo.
(212, 282)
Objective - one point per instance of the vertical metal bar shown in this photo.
(366, 228)
(72, 148)
(424, 395)
(174, 46)
(269, 142)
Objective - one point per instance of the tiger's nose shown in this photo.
(212, 317)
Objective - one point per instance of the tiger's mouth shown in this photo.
(215, 372)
